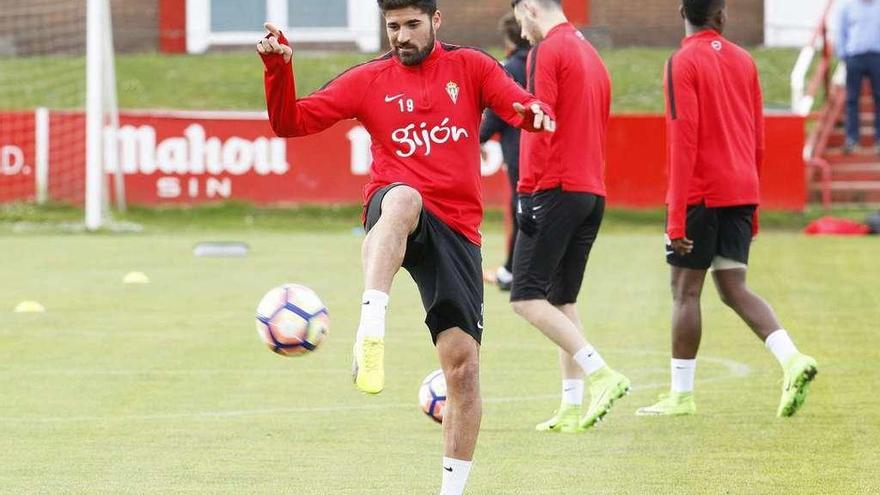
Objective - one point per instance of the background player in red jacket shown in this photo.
(422, 104)
(515, 65)
(561, 204)
(715, 133)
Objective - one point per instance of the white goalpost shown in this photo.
(58, 107)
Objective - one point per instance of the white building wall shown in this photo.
(791, 22)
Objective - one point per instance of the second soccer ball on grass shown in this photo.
(432, 395)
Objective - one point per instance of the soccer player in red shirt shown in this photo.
(561, 204)
(715, 133)
(422, 104)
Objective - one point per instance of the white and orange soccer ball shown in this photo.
(432, 395)
(292, 320)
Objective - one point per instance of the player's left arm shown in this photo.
(682, 125)
(758, 100)
(512, 103)
(541, 75)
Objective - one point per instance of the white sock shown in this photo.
(683, 371)
(781, 346)
(455, 476)
(503, 276)
(573, 392)
(589, 359)
(373, 306)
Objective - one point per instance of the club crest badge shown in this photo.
(453, 90)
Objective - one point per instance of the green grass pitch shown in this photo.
(166, 389)
(192, 81)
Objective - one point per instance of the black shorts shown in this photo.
(550, 265)
(447, 269)
(724, 232)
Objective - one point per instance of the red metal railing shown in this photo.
(803, 101)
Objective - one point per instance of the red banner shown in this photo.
(194, 157)
(17, 156)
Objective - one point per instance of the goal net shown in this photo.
(58, 105)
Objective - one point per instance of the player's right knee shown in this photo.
(464, 374)
(686, 292)
(733, 296)
(519, 307)
(403, 202)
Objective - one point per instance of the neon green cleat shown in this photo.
(565, 420)
(671, 404)
(368, 366)
(800, 370)
(606, 386)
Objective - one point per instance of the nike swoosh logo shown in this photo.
(569, 389)
(601, 397)
(669, 252)
(480, 325)
(536, 208)
(389, 99)
(447, 468)
(365, 303)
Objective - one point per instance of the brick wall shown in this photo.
(472, 22)
(613, 22)
(135, 25)
(465, 22)
(59, 26)
(658, 23)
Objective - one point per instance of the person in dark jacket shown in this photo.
(515, 64)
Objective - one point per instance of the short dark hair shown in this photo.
(699, 12)
(512, 30)
(427, 6)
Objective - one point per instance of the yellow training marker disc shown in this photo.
(29, 307)
(136, 278)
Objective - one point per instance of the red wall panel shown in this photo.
(577, 11)
(192, 157)
(172, 26)
(635, 174)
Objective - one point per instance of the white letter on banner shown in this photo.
(171, 155)
(361, 158)
(261, 156)
(11, 160)
(212, 156)
(278, 150)
(193, 185)
(195, 134)
(168, 187)
(215, 187)
(237, 156)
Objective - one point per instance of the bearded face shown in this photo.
(411, 34)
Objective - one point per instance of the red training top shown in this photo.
(566, 72)
(424, 121)
(715, 128)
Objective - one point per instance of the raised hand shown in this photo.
(270, 43)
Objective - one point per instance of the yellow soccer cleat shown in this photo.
(800, 370)
(606, 386)
(368, 365)
(671, 404)
(565, 420)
